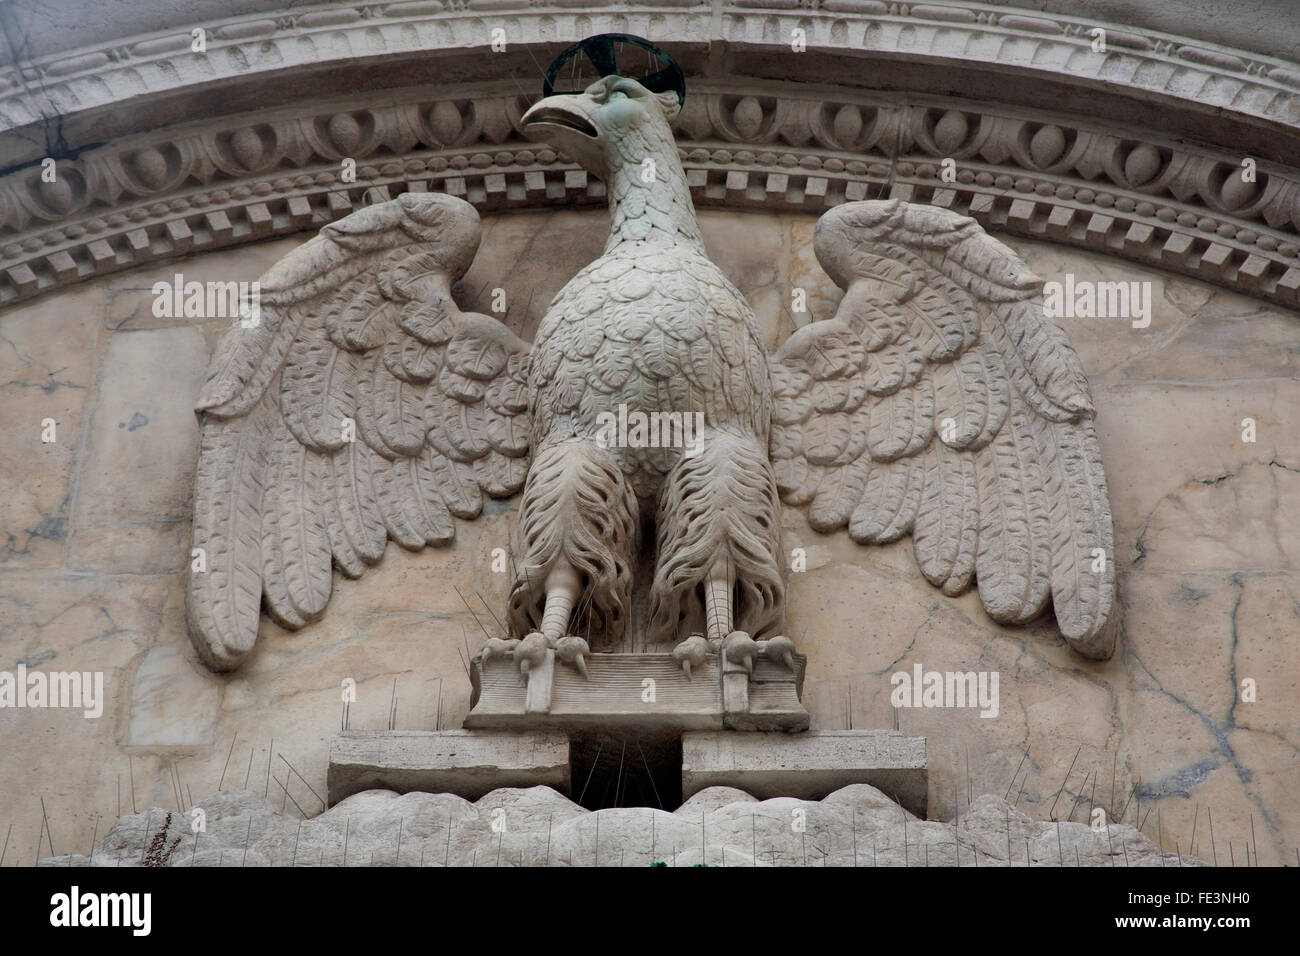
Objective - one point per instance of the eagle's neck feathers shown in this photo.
(649, 200)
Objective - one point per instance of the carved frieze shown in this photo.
(1145, 192)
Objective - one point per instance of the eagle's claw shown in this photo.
(573, 650)
(496, 647)
(691, 653)
(531, 652)
(778, 649)
(739, 648)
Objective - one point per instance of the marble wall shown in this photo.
(94, 539)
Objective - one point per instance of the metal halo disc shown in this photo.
(601, 51)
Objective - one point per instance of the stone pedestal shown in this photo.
(637, 693)
(809, 765)
(466, 763)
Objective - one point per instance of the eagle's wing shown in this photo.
(361, 405)
(941, 400)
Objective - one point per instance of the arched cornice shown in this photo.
(1135, 152)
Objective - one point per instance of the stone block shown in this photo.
(464, 762)
(808, 766)
(143, 437)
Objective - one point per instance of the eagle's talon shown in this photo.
(691, 653)
(531, 652)
(739, 648)
(496, 647)
(778, 649)
(573, 650)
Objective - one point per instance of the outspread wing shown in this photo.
(360, 405)
(942, 401)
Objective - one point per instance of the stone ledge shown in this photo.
(468, 764)
(809, 766)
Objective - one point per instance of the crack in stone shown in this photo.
(1211, 482)
(934, 608)
(1223, 746)
(1140, 545)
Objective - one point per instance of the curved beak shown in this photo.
(563, 111)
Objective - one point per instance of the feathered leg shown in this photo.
(719, 522)
(578, 522)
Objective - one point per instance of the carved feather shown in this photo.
(275, 582)
(352, 469)
(720, 504)
(946, 532)
(577, 506)
(1083, 572)
(318, 390)
(304, 541)
(839, 494)
(961, 401)
(1013, 562)
(244, 362)
(225, 592)
(390, 412)
(393, 491)
(456, 483)
(902, 423)
(889, 503)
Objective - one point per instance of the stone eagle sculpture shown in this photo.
(939, 401)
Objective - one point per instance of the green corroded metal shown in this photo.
(603, 50)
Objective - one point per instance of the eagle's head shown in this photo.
(614, 121)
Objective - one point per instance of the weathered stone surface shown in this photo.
(141, 438)
(61, 621)
(1193, 640)
(1108, 345)
(517, 255)
(753, 252)
(809, 765)
(47, 356)
(854, 826)
(1229, 338)
(124, 548)
(173, 703)
(1248, 521)
(469, 764)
